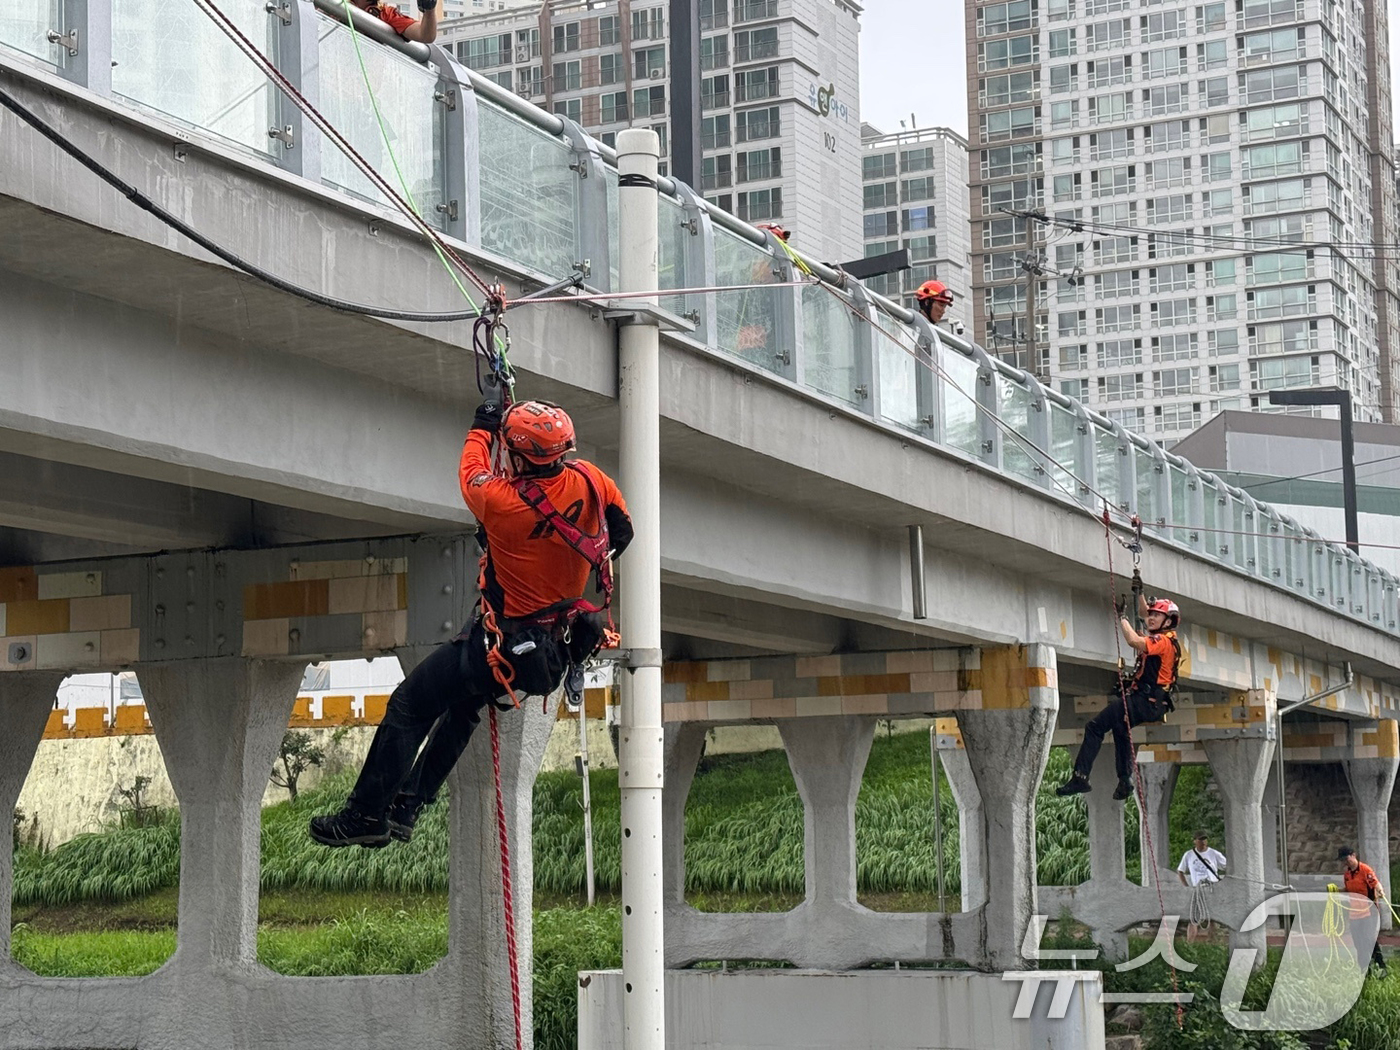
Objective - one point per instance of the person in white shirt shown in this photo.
(1200, 866)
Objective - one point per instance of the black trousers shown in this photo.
(1141, 708)
(440, 702)
(1363, 928)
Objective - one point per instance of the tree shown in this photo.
(297, 754)
(136, 813)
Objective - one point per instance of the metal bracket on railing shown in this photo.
(446, 98)
(449, 209)
(285, 135)
(281, 8)
(67, 41)
(862, 391)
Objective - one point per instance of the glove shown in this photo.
(427, 5)
(488, 417)
(1121, 606)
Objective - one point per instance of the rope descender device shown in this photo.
(491, 344)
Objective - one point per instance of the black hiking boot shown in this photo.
(402, 817)
(1075, 785)
(349, 827)
(1123, 791)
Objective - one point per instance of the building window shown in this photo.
(1009, 124)
(873, 165)
(1285, 337)
(753, 85)
(486, 51)
(529, 80)
(761, 164)
(757, 124)
(919, 189)
(1013, 17)
(1117, 284)
(1224, 378)
(1119, 353)
(920, 159)
(1174, 382)
(1175, 278)
(714, 52)
(1005, 88)
(649, 102)
(1213, 54)
(649, 63)
(1109, 251)
(1169, 98)
(1169, 209)
(609, 31)
(1171, 135)
(503, 78)
(714, 14)
(1117, 318)
(614, 107)
(1223, 343)
(1283, 372)
(1003, 233)
(568, 76)
(1107, 72)
(649, 24)
(883, 224)
(1267, 85)
(1278, 267)
(1211, 17)
(752, 10)
(1221, 307)
(1003, 161)
(571, 108)
(1061, 43)
(1125, 387)
(1178, 417)
(610, 69)
(881, 195)
(1074, 355)
(566, 37)
(1004, 54)
(1075, 388)
(716, 173)
(1106, 36)
(714, 92)
(527, 44)
(922, 249)
(761, 204)
(921, 218)
(1164, 25)
(1173, 312)
(755, 45)
(1181, 346)
(714, 131)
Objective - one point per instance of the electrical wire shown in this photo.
(1329, 470)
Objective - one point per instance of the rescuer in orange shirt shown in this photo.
(1147, 696)
(423, 30)
(1363, 889)
(546, 526)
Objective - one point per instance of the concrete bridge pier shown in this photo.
(1372, 780)
(1241, 769)
(1158, 787)
(972, 843)
(1008, 742)
(25, 702)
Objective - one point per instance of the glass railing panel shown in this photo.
(1240, 528)
(897, 371)
(1298, 554)
(747, 325)
(674, 239)
(1145, 486)
(410, 161)
(1064, 451)
(204, 81)
(1182, 492)
(1321, 562)
(1213, 543)
(529, 197)
(1269, 549)
(25, 25)
(1110, 461)
(959, 407)
(829, 343)
(1014, 405)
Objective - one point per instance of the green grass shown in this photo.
(102, 953)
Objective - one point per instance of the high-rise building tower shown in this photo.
(776, 95)
(916, 198)
(1215, 172)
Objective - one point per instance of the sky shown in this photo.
(913, 60)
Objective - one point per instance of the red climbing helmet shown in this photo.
(935, 290)
(537, 431)
(1167, 608)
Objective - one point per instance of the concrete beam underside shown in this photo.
(219, 722)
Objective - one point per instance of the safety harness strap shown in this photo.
(593, 548)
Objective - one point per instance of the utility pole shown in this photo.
(1342, 399)
(1030, 266)
(640, 741)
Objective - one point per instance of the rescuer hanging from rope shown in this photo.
(533, 628)
(1145, 697)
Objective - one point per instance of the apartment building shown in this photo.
(1215, 172)
(915, 189)
(778, 95)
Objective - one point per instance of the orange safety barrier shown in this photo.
(132, 719)
(90, 721)
(336, 709)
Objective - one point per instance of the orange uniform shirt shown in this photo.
(396, 19)
(1362, 883)
(1158, 659)
(533, 565)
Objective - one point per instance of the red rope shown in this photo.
(511, 953)
(1151, 858)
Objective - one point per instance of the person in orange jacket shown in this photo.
(546, 527)
(1364, 889)
(423, 30)
(1146, 697)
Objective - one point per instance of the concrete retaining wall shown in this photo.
(815, 1010)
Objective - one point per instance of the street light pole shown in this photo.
(1342, 399)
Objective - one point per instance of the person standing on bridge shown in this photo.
(422, 30)
(1146, 697)
(1364, 889)
(933, 299)
(532, 617)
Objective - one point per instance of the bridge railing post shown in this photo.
(594, 215)
(1122, 487)
(699, 262)
(787, 335)
(1039, 425)
(986, 394)
(866, 386)
(1086, 460)
(929, 379)
(85, 47)
(461, 148)
(297, 55)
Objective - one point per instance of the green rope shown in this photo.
(393, 158)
